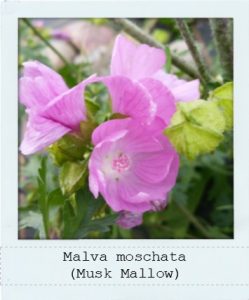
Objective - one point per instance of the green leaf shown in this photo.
(33, 220)
(97, 225)
(72, 176)
(86, 129)
(87, 216)
(223, 96)
(196, 128)
(71, 147)
(92, 108)
(223, 92)
(42, 192)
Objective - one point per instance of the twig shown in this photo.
(136, 32)
(193, 220)
(189, 39)
(223, 46)
(45, 41)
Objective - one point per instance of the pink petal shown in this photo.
(129, 98)
(181, 89)
(39, 85)
(165, 102)
(109, 129)
(40, 133)
(135, 61)
(173, 170)
(68, 108)
(139, 138)
(188, 91)
(149, 168)
(34, 93)
(34, 69)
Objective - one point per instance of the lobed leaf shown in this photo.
(196, 128)
(223, 97)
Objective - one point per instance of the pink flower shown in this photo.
(142, 61)
(129, 98)
(132, 166)
(52, 107)
(129, 220)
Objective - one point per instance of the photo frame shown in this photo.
(122, 268)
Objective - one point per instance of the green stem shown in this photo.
(193, 220)
(136, 32)
(45, 222)
(45, 41)
(223, 46)
(189, 39)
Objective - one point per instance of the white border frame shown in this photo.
(11, 11)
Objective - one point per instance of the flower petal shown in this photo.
(40, 133)
(135, 61)
(34, 69)
(181, 89)
(188, 91)
(68, 108)
(161, 95)
(39, 85)
(109, 129)
(130, 98)
(152, 167)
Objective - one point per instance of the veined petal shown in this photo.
(163, 98)
(109, 129)
(135, 61)
(39, 85)
(148, 167)
(40, 133)
(130, 98)
(35, 69)
(68, 108)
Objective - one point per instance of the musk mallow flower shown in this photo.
(133, 166)
(53, 109)
(139, 62)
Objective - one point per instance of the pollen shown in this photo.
(121, 163)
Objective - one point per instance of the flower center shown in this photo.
(121, 163)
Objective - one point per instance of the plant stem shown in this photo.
(223, 46)
(189, 39)
(193, 220)
(45, 41)
(136, 32)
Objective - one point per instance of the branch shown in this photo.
(143, 37)
(223, 47)
(45, 41)
(189, 39)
